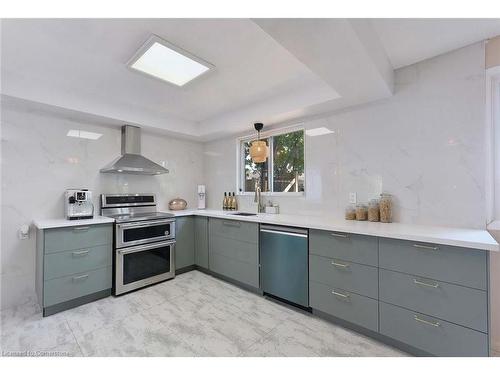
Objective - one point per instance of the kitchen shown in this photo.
(268, 207)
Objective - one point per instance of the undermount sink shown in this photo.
(243, 214)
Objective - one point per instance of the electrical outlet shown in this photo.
(352, 198)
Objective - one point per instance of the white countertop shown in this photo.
(468, 238)
(60, 223)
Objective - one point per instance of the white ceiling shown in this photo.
(269, 70)
(408, 41)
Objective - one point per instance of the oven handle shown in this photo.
(142, 224)
(137, 249)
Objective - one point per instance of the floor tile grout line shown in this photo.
(74, 337)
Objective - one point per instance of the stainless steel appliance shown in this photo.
(78, 204)
(131, 161)
(144, 245)
(284, 263)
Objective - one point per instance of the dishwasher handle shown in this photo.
(296, 232)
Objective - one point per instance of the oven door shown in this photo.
(141, 232)
(143, 265)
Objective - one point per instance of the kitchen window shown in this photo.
(282, 172)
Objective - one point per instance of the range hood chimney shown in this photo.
(131, 161)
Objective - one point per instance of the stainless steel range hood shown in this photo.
(131, 161)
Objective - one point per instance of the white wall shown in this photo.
(39, 162)
(425, 145)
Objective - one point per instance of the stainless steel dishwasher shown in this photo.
(284, 263)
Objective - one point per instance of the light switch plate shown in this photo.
(352, 198)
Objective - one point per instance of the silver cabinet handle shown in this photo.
(433, 285)
(81, 229)
(420, 320)
(232, 224)
(82, 277)
(346, 295)
(425, 247)
(340, 235)
(80, 253)
(340, 265)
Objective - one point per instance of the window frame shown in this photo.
(240, 165)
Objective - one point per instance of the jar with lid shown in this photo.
(361, 212)
(350, 212)
(373, 210)
(385, 205)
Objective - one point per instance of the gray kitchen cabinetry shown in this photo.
(234, 250)
(184, 242)
(432, 299)
(201, 241)
(343, 276)
(73, 265)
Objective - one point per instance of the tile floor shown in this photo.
(191, 315)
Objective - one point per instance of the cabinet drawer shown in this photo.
(76, 261)
(241, 251)
(78, 237)
(70, 287)
(349, 276)
(234, 229)
(454, 303)
(345, 305)
(245, 273)
(446, 263)
(345, 246)
(431, 335)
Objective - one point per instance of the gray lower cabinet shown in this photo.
(345, 246)
(433, 298)
(434, 336)
(451, 302)
(234, 250)
(73, 265)
(345, 305)
(201, 241)
(184, 242)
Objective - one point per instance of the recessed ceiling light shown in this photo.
(318, 131)
(83, 134)
(160, 59)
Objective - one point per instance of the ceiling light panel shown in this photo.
(83, 134)
(162, 60)
(318, 131)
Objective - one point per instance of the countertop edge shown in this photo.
(452, 239)
(64, 223)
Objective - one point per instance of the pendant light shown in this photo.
(259, 150)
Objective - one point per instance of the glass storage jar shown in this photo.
(350, 212)
(361, 212)
(373, 210)
(385, 205)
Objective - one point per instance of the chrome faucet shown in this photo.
(257, 197)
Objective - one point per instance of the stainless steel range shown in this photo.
(144, 245)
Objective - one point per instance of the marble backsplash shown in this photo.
(425, 145)
(39, 162)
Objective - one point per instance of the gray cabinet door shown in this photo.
(78, 237)
(201, 241)
(345, 305)
(454, 303)
(344, 246)
(427, 333)
(440, 262)
(234, 250)
(184, 242)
